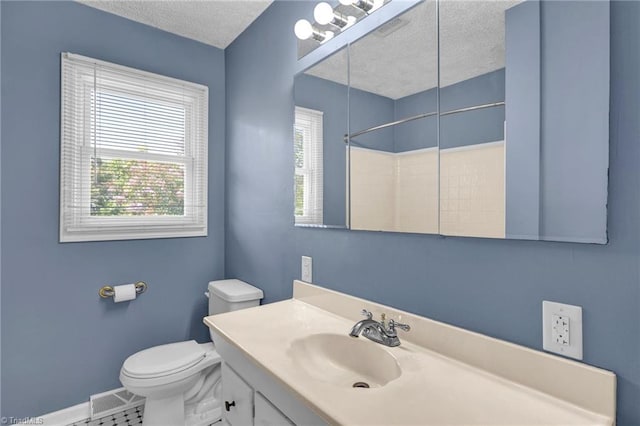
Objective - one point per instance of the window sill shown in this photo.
(129, 234)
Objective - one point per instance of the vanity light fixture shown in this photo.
(324, 15)
(305, 30)
(367, 6)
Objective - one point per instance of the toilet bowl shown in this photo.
(181, 381)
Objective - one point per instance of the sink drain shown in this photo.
(361, 385)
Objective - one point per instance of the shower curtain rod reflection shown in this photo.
(419, 116)
(393, 123)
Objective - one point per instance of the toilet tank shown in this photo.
(231, 295)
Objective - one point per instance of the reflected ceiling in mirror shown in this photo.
(472, 38)
(399, 58)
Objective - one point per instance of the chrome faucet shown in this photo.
(378, 331)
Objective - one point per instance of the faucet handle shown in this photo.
(393, 324)
(366, 313)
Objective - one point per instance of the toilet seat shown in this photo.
(136, 375)
(164, 360)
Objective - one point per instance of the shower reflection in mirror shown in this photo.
(461, 118)
(472, 118)
(393, 119)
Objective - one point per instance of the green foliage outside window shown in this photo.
(298, 149)
(299, 188)
(136, 188)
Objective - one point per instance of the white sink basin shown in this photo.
(344, 361)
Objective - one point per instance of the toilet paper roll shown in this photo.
(124, 292)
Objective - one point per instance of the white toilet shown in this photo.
(181, 381)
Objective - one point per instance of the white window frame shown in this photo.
(313, 164)
(76, 221)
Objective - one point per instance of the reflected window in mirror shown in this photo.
(308, 141)
(322, 89)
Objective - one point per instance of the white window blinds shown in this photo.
(308, 141)
(134, 153)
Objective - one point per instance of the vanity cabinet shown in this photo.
(252, 397)
(237, 398)
(243, 405)
(268, 415)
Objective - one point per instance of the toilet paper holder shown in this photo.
(107, 291)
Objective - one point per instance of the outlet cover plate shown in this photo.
(307, 269)
(554, 310)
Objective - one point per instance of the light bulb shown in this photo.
(323, 13)
(346, 2)
(303, 29)
(377, 4)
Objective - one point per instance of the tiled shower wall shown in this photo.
(416, 187)
(394, 192)
(372, 191)
(399, 191)
(472, 190)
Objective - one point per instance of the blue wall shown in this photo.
(522, 114)
(416, 134)
(472, 127)
(575, 204)
(0, 209)
(370, 110)
(366, 110)
(490, 286)
(60, 341)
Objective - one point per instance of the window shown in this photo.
(134, 153)
(308, 158)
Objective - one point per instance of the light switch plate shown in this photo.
(307, 269)
(562, 329)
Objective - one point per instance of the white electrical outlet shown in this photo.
(560, 332)
(562, 329)
(307, 269)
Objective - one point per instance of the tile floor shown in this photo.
(130, 417)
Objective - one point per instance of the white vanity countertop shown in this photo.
(433, 389)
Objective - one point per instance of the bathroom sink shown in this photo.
(344, 361)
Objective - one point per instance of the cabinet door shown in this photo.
(237, 399)
(267, 414)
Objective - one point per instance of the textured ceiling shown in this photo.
(404, 61)
(471, 38)
(396, 65)
(214, 22)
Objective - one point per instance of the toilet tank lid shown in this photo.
(235, 290)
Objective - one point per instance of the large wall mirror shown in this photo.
(320, 124)
(474, 119)
(393, 151)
